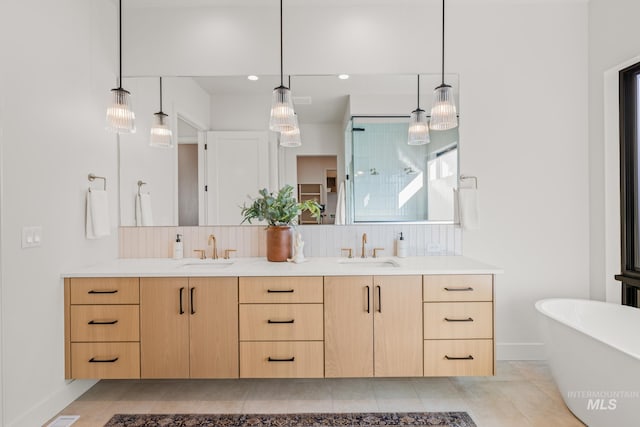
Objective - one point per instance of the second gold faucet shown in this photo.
(214, 252)
(364, 248)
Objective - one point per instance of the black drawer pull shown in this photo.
(193, 308)
(181, 308)
(468, 319)
(93, 291)
(280, 291)
(94, 360)
(280, 321)
(274, 359)
(458, 289)
(102, 322)
(469, 357)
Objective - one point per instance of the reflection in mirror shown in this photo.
(226, 118)
(187, 174)
(397, 182)
(317, 179)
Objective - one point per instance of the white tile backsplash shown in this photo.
(320, 240)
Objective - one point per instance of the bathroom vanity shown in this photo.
(249, 318)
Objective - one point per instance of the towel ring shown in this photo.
(93, 177)
(475, 180)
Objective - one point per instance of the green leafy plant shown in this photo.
(279, 209)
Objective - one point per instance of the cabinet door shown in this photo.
(164, 328)
(213, 324)
(397, 326)
(348, 338)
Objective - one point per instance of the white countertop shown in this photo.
(259, 266)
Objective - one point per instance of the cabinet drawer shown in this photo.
(105, 290)
(449, 358)
(105, 323)
(281, 322)
(282, 359)
(105, 360)
(458, 320)
(280, 289)
(458, 287)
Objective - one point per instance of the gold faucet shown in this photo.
(227, 253)
(375, 251)
(214, 252)
(200, 253)
(364, 242)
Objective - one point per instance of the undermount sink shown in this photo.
(369, 262)
(207, 263)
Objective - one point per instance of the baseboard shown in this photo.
(520, 351)
(49, 407)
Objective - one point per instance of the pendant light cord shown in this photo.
(418, 91)
(120, 40)
(281, 50)
(161, 94)
(443, 42)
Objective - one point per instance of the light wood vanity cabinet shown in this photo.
(189, 327)
(458, 325)
(281, 327)
(373, 326)
(102, 335)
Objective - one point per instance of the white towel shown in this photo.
(467, 208)
(97, 220)
(340, 206)
(144, 215)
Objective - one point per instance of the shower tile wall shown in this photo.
(320, 240)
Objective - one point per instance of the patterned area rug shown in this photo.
(442, 419)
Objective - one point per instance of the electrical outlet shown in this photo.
(31, 237)
(433, 247)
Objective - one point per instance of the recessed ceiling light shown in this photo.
(343, 76)
(252, 78)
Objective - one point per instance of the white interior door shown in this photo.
(237, 166)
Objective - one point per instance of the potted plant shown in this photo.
(280, 211)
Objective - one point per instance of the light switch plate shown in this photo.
(31, 236)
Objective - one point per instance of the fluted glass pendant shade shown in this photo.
(120, 115)
(443, 113)
(291, 138)
(418, 128)
(161, 135)
(282, 115)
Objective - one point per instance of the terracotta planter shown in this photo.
(278, 243)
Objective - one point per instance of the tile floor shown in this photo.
(522, 394)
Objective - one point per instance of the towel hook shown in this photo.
(92, 177)
(140, 184)
(475, 180)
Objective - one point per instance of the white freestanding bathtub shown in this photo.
(593, 349)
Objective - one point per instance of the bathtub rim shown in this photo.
(542, 310)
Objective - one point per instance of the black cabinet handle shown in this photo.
(193, 310)
(280, 291)
(469, 357)
(94, 360)
(93, 291)
(368, 300)
(102, 322)
(181, 309)
(468, 319)
(280, 321)
(379, 299)
(458, 289)
(275, 359)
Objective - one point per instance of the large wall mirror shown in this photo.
(354, 157)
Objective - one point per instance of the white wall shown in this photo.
(523, 73)
(57, 69)
(614, 42)
(158, 167)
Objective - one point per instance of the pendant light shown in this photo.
(443, 112)
(291, 138)
(160, 131)
(120, 115)
(418, 124)
(282, 115)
